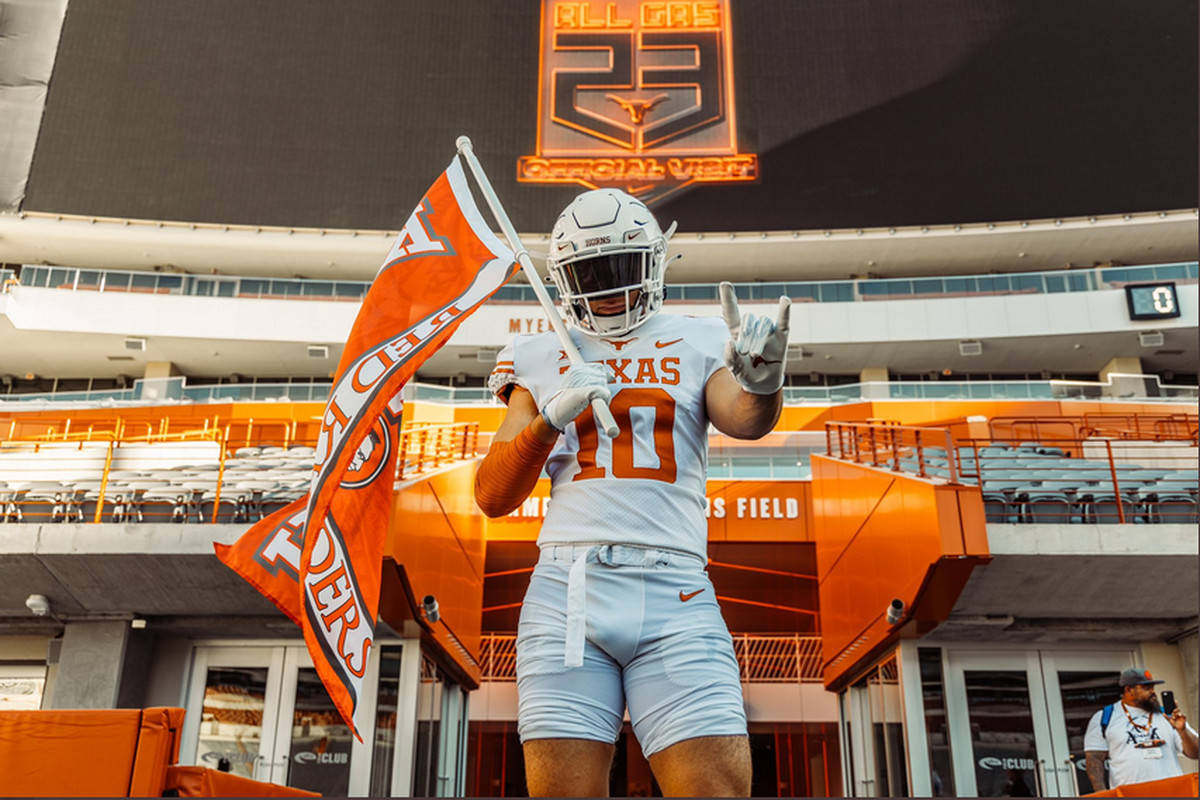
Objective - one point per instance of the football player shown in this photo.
(620, 611)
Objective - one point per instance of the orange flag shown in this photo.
(443, 266)
(268, 556)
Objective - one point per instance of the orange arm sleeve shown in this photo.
(509, 472)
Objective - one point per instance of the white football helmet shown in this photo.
(605, 245)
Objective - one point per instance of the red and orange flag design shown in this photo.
(319, 559)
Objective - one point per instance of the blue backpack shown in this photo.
(1105, 718)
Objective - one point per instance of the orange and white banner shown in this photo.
(268, 556)
(443, 266)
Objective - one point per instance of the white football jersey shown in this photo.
(647, 485)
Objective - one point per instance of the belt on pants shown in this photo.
(610, 555)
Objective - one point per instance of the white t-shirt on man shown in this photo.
(1136, 754)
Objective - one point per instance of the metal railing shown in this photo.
(177, 390)
(901, 448)
(761, 658)
(1140, 426)
(1108, 469)
(830, 291)
(231, 471)
(1118, 386)
(1099, 480)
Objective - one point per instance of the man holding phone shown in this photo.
(1141, 740)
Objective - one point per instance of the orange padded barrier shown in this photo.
(157, 748)
(121, 752)
(205, 782)
(1181, 786)
(73, 753)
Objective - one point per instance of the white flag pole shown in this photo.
(604, 417)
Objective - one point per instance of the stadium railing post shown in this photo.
(951, 457)
(104, 481)
(220, 478)
(1112, 468)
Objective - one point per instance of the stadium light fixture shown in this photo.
(38, 605)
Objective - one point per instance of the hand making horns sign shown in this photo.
(757, 347)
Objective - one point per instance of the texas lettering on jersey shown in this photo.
(640, 370)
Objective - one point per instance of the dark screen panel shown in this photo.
(861, 112)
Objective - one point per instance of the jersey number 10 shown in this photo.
(622, 446)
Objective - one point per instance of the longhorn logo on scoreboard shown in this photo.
(638, 95)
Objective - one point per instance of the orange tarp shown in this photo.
(1181, 786)
(205, 782)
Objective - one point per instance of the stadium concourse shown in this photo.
(979, 504)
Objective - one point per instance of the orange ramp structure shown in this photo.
(884, 535)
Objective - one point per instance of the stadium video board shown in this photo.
(729, 115)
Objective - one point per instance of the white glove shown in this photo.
(757, 348)
(581, 384)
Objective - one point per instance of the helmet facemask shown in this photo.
(626, 276)
(607, 246)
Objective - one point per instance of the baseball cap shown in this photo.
(1138, 677)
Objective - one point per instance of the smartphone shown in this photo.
(1168, 702)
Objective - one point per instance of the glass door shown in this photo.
(1077, 686)
(887, 730)
(314, 748)
(440, 747)
(263, 713)
(999, 728)
(857, 742)
(232, 710)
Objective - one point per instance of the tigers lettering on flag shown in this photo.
(444, 264)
